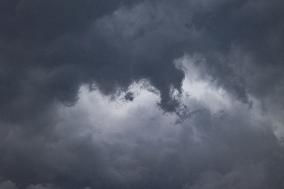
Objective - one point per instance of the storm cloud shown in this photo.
(51, 48)
(184, 94)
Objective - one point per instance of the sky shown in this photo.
(141, 94)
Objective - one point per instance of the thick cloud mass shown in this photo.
(50, 48)
(217, 64)
(136, 146)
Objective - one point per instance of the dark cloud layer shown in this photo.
(49, 49)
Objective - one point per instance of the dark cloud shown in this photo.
(254, 29)
(7, 185)
(41, 58)
(49, 49)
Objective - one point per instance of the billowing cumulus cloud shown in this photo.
(141, 94)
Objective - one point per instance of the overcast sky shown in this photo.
(141, 94)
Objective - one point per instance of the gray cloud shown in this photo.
(228, 149)
(7, 185)
(50, 49)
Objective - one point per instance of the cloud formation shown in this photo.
(134, 145)
(217, 64)
(51, 48)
